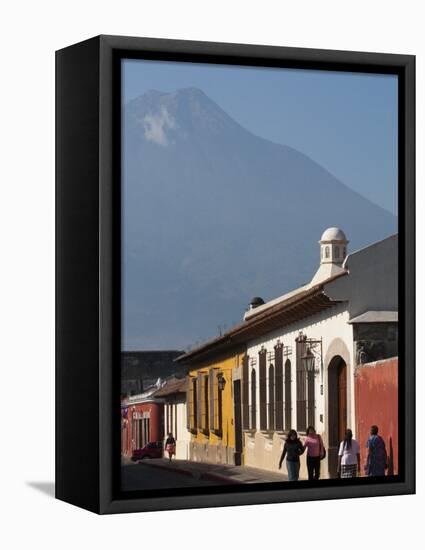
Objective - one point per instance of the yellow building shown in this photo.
(214, 413)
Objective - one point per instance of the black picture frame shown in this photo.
(88, 270)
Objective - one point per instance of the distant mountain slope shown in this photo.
(214, 215)
(141, 369)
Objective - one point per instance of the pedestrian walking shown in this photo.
(170, 446)
(292, 449)
(376, 462)
(348, 456)
(315, 453)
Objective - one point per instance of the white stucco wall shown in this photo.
(263, 450)
(372, 283)
(179, 430)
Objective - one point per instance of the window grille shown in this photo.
(271, 403)
(253, 408)
(279, 387)
(213, 404)
(192, 405)
(199, 398)
(301, 388)
(204, 403)
(189, 404)
(262, 356)
(288, 395)
(311, 398)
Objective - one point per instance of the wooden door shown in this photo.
(342, 401)
(238, 422)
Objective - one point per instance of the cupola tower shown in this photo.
(333, 251)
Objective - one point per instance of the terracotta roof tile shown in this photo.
(171, 386)
(303, 304)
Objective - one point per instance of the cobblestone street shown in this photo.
(161, 474)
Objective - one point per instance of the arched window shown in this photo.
(278, 390)
(337, 252)
(288, 395)
(271, 423)
(253, 400)
(326, 251)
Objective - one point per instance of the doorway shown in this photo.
(238, 422)
(337, 409)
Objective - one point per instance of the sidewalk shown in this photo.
(217, 472)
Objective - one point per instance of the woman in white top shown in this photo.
(349, 456)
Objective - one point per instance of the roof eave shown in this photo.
(298, 307)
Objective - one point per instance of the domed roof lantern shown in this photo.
(333, 251)
(333, 234)
(333, 246)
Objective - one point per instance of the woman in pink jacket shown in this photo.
(315, 453)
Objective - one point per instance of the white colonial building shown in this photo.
(303, 349)
(173, 395)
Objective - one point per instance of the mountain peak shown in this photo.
(186, 113)
(191, 91)
(155, 98)
(153, 94)
(215, 215)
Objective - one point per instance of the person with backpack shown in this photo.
(315, 453)
(348, 456)
(292, 449)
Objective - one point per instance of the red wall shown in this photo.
(157, 420)
(376, 387)
(156, 425)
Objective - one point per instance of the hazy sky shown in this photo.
(347, 122)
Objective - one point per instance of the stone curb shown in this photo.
(220, 477)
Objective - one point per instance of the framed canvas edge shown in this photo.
(108, 45)
(271, 496)
(76, 275)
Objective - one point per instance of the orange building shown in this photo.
(376, 387)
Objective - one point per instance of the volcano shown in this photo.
(214, 215)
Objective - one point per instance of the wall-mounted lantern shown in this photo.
(309, 360)
(221, 381)
(313, 352)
